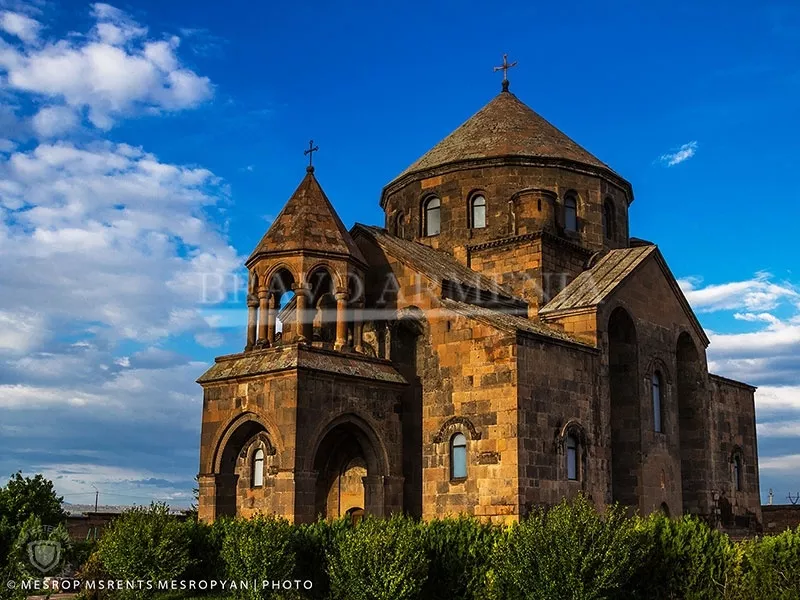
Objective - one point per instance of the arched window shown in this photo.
(571, 212)
(656, 393)
(478, 212)
(433, 222)
(258, 468)
(573, 471)
(458, 456)
(397, 224)
(609, 219)
(737, 472)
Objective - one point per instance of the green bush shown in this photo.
(379, 560)
(312, 544)
(567, 552)
(770, 567)
(258, 550)
(459, 554)
(570, 551)
(205, 549)
(687, 560)
(145, 544)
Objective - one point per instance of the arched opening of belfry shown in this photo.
(346, 461)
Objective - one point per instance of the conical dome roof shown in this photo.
(504, 127)
(308, 222)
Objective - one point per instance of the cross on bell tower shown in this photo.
(504, 68)
(310, 153)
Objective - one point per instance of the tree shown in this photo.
(25, 496)
(23, 499)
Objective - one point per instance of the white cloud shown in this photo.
(53, 121)
(108, 234)
(789, 463)
(112, 72)
(680, 155)
(778, 398)
(21, 26)
(781, 429)
(107, 252)
(753, 295)
(21, 330)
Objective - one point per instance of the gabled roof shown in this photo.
(593, 286)
(504, 127)
(510, 323)
(438, 266)
(308, 221)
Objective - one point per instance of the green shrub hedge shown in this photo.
(567, 552)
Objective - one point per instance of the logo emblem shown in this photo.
(44, 554)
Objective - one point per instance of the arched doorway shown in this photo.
(350, 466)
(626, 432)
(693, 425)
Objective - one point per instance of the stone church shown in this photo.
(501, 343)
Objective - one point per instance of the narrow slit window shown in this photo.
(478, 220)
(609, 219)
(458, 457)
(737, 473)
(571, 213)
(572, 458)
(433, 222)
(657, 414)
(258, 468)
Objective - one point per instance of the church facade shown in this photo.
(503, 342)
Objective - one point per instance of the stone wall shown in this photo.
(780, 517)
(291, 414)
(501, 184)
(271, 401)
(559, 395)
(463, 380)
(734, 432)
(534, 267)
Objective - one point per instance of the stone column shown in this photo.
(262, 315)
(393, 495)
(226, 488)
(358, 327)
(374, 495)
(305, 487)
(341, 321)
(252, 316)
(272, 313)
(207, 499)
(301, 297)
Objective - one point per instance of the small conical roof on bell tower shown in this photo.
(308, 222)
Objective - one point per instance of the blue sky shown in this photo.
(145, 144)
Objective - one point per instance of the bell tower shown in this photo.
(306, 277)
